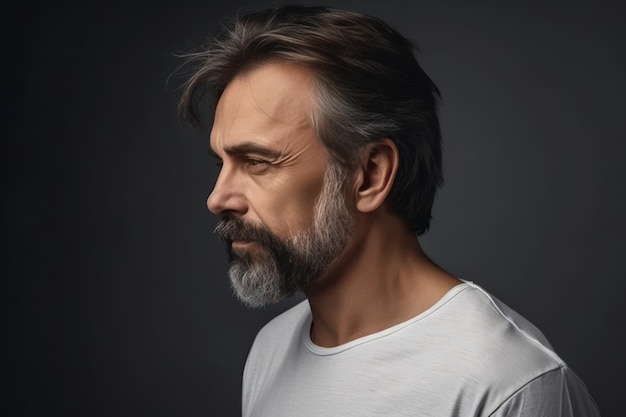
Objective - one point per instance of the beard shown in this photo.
(283, 266)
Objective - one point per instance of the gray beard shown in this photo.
(283, 266)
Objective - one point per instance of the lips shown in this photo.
(233, 238)
(240, 243)
(237, 233)
(233, 230)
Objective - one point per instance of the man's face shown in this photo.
(283, 204)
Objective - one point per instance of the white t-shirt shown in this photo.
(468, 355)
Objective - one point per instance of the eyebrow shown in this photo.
(248, 148)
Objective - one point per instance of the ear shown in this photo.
(375, 175)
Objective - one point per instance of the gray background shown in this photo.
(114, 295)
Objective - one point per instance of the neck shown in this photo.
(383, 278)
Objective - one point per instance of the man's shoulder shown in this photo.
(488, 340)
(486, 324)
(501, 325)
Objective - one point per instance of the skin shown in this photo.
(273, 166)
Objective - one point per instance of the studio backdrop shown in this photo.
(115, 295)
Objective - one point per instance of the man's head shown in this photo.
(301, 93)
(368, 86)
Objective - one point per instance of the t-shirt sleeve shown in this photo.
(558, 393)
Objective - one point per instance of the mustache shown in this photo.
(230, 229)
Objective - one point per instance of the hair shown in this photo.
(368, 87)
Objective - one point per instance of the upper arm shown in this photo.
(558, 393)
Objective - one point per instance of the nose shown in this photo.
(227, 196)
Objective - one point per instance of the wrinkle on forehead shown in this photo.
(270, 103)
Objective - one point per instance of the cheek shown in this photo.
(289, 206)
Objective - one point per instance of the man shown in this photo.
(326, 131)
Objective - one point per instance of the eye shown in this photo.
(254, 161)
(257, 166)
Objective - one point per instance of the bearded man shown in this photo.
(327, 134)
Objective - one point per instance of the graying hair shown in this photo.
(369, 87)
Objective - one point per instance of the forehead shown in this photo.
(269, 104)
